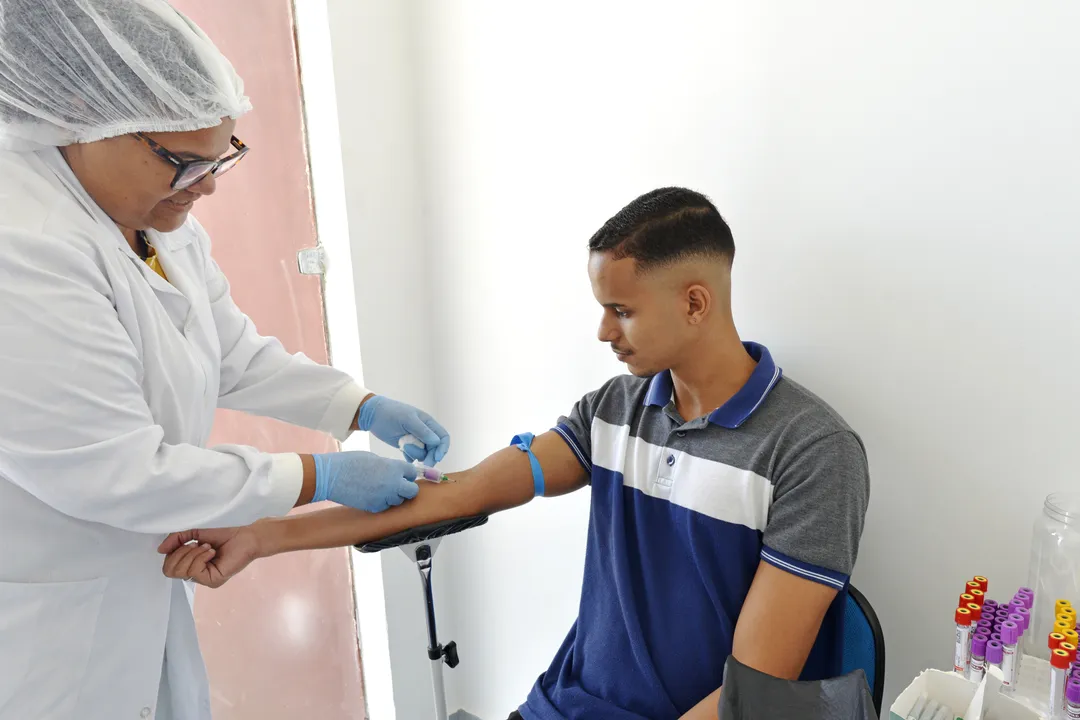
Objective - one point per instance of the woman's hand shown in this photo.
(212, 557)
(363, 480)
(390, 421)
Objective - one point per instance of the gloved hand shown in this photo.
(363, 480)
(390, 420)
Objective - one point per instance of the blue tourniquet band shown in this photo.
(523, 442)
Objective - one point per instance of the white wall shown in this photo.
(902, 184)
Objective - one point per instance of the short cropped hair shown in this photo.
(666, 226)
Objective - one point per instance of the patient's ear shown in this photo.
(698, 303)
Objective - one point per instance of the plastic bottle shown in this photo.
(1054, 569)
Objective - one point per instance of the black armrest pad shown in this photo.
(423, 532)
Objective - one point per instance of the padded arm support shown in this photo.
(424, 532)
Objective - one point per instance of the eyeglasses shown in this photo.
(192, 172)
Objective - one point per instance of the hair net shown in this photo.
(74, 71)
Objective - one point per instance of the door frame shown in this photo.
(322, 135)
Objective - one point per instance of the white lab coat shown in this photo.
(109, 378)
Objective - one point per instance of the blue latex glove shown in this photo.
(390, 420)
(363, 480)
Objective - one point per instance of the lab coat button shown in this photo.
(145, 713)
(670, 460)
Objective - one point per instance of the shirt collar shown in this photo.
(742, 404)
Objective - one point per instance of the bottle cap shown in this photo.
(1019, 620)
(1063, 627)
(1026, 614)
(976, 612)
(1071, 636)
(995, 653)
(1059, 659)
(1072, 692)
(983, 582)
(1061, 604)
(979, 595)
(972, 585)
(978, 645)
(963, 616)
(966, 598)
(1069, 648)
(1010, 632)
(1055, 641)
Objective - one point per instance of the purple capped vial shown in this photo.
(995, 653)
(977, 668)
(430, 474)
(1010, 636)
(1072, 697)
(1010, 633)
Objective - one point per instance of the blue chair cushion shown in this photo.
(859, 650)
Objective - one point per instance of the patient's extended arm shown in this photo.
(501, 481)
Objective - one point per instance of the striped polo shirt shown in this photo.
(682, 514)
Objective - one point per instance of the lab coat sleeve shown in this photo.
(260, 377)
(75, 429)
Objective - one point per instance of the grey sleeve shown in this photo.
(818, 510)
(576, 428)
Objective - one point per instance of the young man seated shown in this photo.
(727, 501)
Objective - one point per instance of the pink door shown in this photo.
(280, 640)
